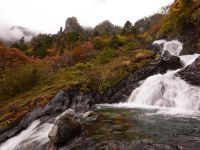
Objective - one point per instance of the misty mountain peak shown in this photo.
(72, 25)
(105, 27)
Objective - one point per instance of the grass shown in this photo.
(93, 75)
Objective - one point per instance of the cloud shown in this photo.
(15, 33)
(49, 15)
(102, 1)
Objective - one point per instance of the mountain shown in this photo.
(15, 33)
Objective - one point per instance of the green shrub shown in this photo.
(83, 65)
(105, 56)
(15, 82)
(105, 85)
(165, 29)
(98, 43)
(114, 42)
(132, 45)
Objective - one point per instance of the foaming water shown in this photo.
(35, 133)
(167, 93)
(174, 47)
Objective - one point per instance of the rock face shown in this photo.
(64, 129)
(106, 27)
(73, 98)
(72, 25)
(191, 45)
(191, 73)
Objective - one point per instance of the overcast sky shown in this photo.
(49, 15)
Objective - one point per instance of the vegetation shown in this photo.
(92, 59)
(181, 18)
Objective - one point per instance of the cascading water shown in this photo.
(163, 91)
(34, 137)
(168, 90)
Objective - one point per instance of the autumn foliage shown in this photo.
(12, 58)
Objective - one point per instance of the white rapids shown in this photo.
(163, 92)
(168, 90)
(35, 133)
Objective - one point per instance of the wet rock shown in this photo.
(69, 112)
(166, 54)
(88, 114)
(64, 129)
(158, 48)
(191, 73)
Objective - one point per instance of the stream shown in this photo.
(164, 109)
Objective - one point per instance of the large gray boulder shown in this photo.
(191, 73)
(64, 129)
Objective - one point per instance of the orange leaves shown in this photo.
(12, 58)
(52, 52)
(83, 52)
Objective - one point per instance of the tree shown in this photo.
(114, 43)
(72, 38)
(12, 58)
(129, 28)
(21, 45)
(40, 44)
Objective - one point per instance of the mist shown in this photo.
(15, 33)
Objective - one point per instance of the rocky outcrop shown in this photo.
(191, 73)
(72, 25)
(106, 27)
(64, 129)
(73, 98)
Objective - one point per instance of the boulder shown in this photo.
(64, 129)
(69, 112)
(166, 54)
(88, 114)
(191, 73)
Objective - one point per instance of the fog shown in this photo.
(48, 15)
(15, 33)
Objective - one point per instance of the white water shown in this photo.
(167, 93)
(34, 133)
(162, 92)
(168, 90)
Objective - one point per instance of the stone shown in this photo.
(69, 112)
(64, 129)
(88, 114)
(191, 73)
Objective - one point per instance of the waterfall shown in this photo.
(34, 137)
(168, 90)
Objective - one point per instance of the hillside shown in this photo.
(183, 22)
(75, 57)
(106, 87)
